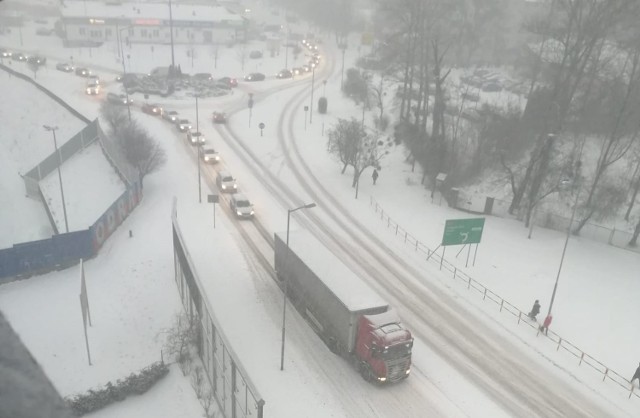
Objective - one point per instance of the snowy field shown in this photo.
(133, 297)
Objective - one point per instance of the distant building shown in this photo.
(92, 22)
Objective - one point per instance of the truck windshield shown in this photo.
(395, 351)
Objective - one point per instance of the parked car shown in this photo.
(183, 125)
(44, 31)
(231, 82)
(195, 138)
(83, 72)
(63, 66)
(255, 54)
(209, 155)
(241, 206)
(152, 109)
(170, 115)
(254, 77)
(37, 60)
(18, 56)
(219, 117)
(119, 99)
(202, 77)
(93, 88)
(284, 74)
(226, 182)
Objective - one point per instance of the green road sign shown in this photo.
(462, 231)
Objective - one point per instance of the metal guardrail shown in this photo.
(504, 306)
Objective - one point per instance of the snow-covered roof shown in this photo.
(354, 293)
(160, 11)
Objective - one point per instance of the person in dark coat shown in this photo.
(545, 325)
(636, 375)
(535, 310)
(374, 176)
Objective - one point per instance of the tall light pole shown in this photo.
(564, 249)
(53, 129)
(284, 306)
(124, 70)
(173, 57)
(199, 147)
(313, 78)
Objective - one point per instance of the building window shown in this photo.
(156, 33)
(143, 33)
(81, 31)
(107, 33)
(130, 31)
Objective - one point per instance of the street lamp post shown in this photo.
(55, 143)
(199, 149)
(313, 78)
(284, 306)
(564, 249)
(124, 70)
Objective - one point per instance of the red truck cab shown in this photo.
(383, 347)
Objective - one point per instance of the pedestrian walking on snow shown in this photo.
(545, 325)
(636, 375)
(535, 310)
(374, 176)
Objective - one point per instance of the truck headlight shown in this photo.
(382, 379)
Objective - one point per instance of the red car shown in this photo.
(219, 117)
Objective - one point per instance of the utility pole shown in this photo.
(53, 129)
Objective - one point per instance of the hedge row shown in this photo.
(134, 384)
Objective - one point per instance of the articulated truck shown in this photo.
(345, 312)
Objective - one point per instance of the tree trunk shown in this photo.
(634, 239)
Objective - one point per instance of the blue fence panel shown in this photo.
(8, 263)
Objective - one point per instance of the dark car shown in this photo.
(202, 77)
(254, 77)
(18, 56)
(37, 60)
(83, 72)
(63, 66)
(491, 86)
(284, 74)
(119, 99)
(228, 81)
(219, 117)
(152, 109)
(255, 54)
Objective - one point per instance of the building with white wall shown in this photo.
(95, 22)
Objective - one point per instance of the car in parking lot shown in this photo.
(183, 125)
(37, 60)
(119, 99)
(83, 72)
(18, 56)
(284, 74)
(219, 117)
(170, 115)
(202, 77)
(255, 54)
(210, 155)
(195, 138)
(254, 77)
(226, 182)
(152, 109)
(63, 66)
(229, 82)
(241, 206)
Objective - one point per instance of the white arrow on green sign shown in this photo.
(462, 231)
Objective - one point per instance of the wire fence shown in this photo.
(503, 305)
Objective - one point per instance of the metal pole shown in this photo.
(313, 77)
(286, 51)
(55, 144)
(173, 57)
(286, 280)
(199, 148)
(124, 70)
(342, 71)
(564, 250)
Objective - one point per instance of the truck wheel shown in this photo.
(365, 371)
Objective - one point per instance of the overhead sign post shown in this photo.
(250, 104)
(462, 232)
(84, 307)
(213, 198)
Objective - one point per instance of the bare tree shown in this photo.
(140, 150)
(354, 147)
(115, 116)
